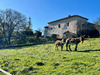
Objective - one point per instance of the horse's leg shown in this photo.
(69, 47)
(56, 47)
(76, 47)
(61, 47)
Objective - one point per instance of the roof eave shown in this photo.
(67, 18)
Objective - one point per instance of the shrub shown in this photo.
(48, 38)
(31, 39)
(27, 33)
(54, 37)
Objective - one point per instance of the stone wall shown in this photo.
(65, 25)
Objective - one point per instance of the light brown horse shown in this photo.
(59, 43)
(75, 41)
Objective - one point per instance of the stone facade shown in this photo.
(71, 24)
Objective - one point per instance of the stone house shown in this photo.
(70, 24)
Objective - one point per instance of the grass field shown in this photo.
(45, 60)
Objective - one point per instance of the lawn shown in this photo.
(45, 60)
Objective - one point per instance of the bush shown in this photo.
(54, 37)
(21, 40)
(48, 38)
(31, 39)
(27, 33)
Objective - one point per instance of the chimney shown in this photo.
(69, 15)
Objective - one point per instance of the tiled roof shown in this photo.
(67, 18)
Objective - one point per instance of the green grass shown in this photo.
(45, 60)
(1, 73)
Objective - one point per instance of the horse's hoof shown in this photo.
(70, 50)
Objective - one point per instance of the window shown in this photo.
(68, 24)
(67, 31)
(59, 26)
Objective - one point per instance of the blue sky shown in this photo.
(44, 11)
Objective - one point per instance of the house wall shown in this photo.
(81, 24)
(73, 24)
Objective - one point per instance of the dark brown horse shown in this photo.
(59, 43)
(75, 41)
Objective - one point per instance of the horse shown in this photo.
(75, 41)
(59, 43)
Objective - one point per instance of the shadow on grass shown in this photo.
(26, 45)
(89, 50)
(16, 47)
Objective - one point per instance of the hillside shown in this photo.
(45, 60)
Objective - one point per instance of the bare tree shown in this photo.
(10, 21)
(29, 25)
(97, 22)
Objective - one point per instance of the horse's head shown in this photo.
(82, 38)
